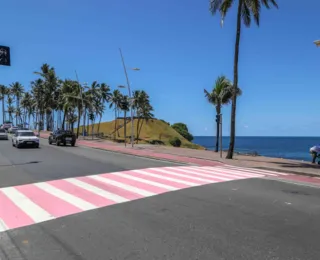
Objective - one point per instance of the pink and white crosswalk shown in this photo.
(38, 202)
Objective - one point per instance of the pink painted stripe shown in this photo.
(205, 174)
(182, 178)
(52, 204)
(139, 185)
(186, 174)
(12, 215)
(81, 193)
(110, 188)
(163, 181)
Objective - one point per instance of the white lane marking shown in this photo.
(166, 178)
(256, 170)
(181, 175)
(240, 171)
(157, 184)
(96, 190)
(36, 213)
(122, 186)
(233, 174)
(217, 174)
(3, 226)
(73, 200)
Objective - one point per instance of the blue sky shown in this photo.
(180, 49)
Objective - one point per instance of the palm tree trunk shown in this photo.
(79, 118)
(115, 123)
(138, 123)
(140, 127)
(3, 112)
(88, 122)
(63, 120)
(218, 111)
(125, 128)
(235, 84)
(92, 127)
(99, 124)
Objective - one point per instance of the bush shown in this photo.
(175, 141)
(182, 129)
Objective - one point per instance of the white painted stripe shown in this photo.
(230, 174)
(157, 184)
(122, 185)
(36, 213)
(188, 170)
(3, 226)
(181, 175)
(166, 178)
(73, 200)
(214, 171)
(244, 170)
(96, 190)
(256, 170)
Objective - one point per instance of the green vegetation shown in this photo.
(175, 141)
(221, 94)
(246, 9)
(182, 129)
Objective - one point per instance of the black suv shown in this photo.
(64, 137)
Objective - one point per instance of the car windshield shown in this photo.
(2, 130)
(26, 133)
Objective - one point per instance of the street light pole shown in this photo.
(130, 97)
(84, 116)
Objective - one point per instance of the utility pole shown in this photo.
(84, 115)
(130, 97)
(220, 125)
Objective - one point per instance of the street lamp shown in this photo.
(317, 43)
(84, 114)
(130, 96)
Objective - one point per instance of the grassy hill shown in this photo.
(155, 131)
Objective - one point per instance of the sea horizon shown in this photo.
(287, 147)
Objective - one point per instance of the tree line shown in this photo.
(52, 102)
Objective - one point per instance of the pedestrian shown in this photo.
(315, 152)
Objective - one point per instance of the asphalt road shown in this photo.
(242, 220)
(49, 162)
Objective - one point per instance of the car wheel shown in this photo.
(58, 143)
(12, 143)
(73, 144)
(49, 141)
(64, 143)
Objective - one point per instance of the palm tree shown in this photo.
(3, 93)
(10, 108)
(125, 107)
(143, 109)
(17, 90)
(246, 9)
(114, 103)
(220, 95)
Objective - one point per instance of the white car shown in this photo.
(25, 138)
(3, 134)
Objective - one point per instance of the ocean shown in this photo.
(296, 148)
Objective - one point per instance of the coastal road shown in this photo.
(244, 218)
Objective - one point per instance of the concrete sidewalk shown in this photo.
(202, 157)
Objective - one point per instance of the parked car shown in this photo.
(25, 138)
(12, 129)
(62, 137)
(3, 134)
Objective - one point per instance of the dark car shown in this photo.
(64, 137)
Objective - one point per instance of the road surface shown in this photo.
(244, 218)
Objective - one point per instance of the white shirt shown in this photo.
(315, 148)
